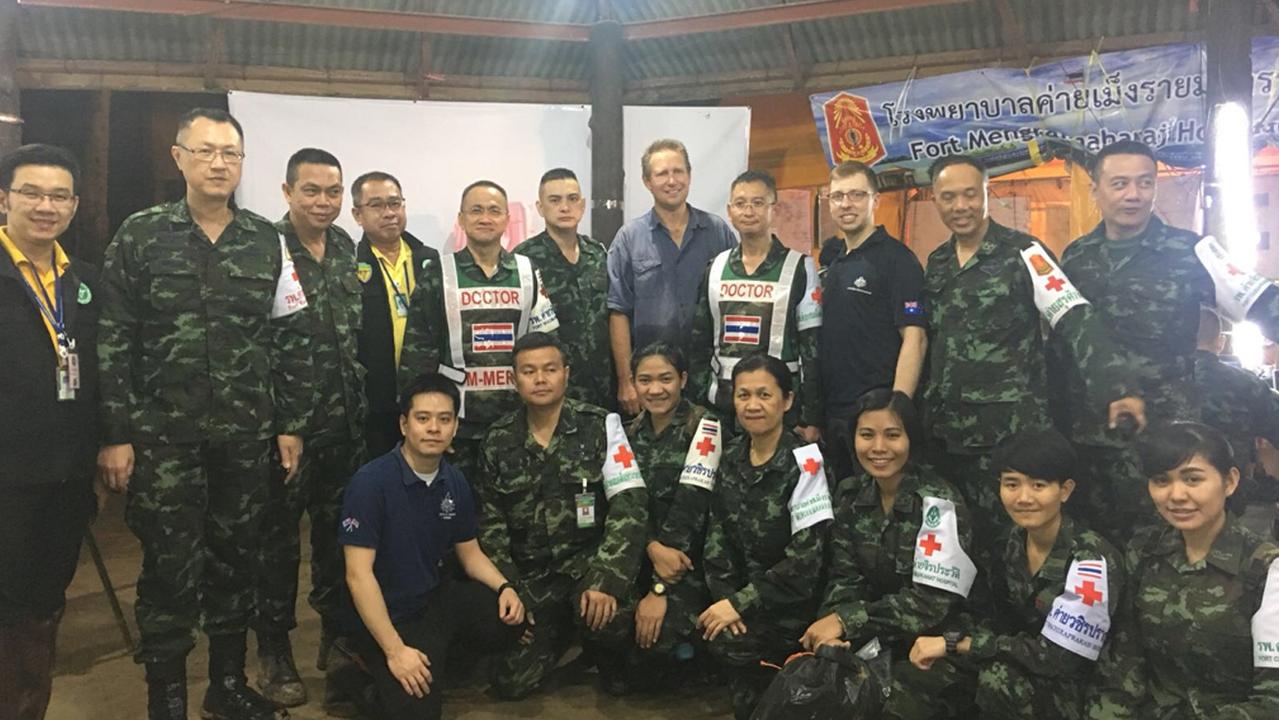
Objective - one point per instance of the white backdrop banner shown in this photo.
(438, 148)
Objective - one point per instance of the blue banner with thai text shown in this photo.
(1017, 117)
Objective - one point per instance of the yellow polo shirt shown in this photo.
(394, 276)
(47, 278)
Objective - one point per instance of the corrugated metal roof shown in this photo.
(95, 35)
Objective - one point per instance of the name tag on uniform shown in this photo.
(401, 306)
(585, 510)
(69, 377)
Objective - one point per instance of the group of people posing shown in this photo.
(1020, 474)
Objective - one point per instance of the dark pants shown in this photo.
(838, 439)
(317, 490)
(1113, 495)
(381, 433)
(972, 475)
(766, 640)
(197, 510)
(463, 611)
(39, 548)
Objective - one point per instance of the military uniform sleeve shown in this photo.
(810, 387)
(790, 581)
(1120, 688)
(846, 589)
(1034, 653)
(685, 523)
(118, 326)
(292, 373)
(424, 329)
(616, 562)
(494, 535)
(914, 609)
(701, 345)
(1263, 701)
(720, 563)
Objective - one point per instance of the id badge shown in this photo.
(73, 370)
(401, 306)
(585, 509)
(66, 391)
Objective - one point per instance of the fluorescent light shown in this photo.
(1232, 168)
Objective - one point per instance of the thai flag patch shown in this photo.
(742, 329)
(492, 337)
(1091, 568)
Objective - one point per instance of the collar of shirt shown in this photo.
(585, 244)
(402, 259)
(180, 214)
(905, 501)
(995, 235)
(466, 260)
(776, 253)
(410, 478)
(294, 243)
(28, 270)
(840, 246)
(566, 425)
(1226, 553)
(644, 428)
(1058, 561)
(781, 461)
(696, 218)
(1151, 236)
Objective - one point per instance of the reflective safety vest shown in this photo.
(750, 313)
(484, 318)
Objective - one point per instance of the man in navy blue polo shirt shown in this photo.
(873, 316)
(402, 513)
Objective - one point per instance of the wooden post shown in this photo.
(607, 163)
(94, 223)
(10, 108)
(1228, 70)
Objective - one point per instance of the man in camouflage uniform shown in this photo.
(466, 315)
(758, 296)
(575, 270)
(203, 360)
(324, 257)
(1145, 285)
(569, 536)
(1239, 404)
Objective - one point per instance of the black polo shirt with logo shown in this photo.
(868, 295)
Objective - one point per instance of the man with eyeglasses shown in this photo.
(203, 360)
(574, 268)
(390, 264)
(759, 295)
(48, 416)
(324, 257)
(656, 262)
(873, 316)
(466, 316)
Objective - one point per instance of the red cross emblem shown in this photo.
(816, 295)
(623, 456)
(1089, 593)
(811, 466)
(929, 544)
(1233, 270)
(1055, 283)
(705, 446)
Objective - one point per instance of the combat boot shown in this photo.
(167, 691)
(277, 674)
(229, 696)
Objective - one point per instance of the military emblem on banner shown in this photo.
(851, 131)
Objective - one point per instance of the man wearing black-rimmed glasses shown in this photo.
(390, 264)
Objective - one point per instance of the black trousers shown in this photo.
(458, 610)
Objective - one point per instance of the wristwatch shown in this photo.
(952, 638)
(659, 589)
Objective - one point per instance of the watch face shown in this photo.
(659, 589)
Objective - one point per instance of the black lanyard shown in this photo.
(386, 270)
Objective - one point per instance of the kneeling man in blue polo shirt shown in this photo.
(401, 515)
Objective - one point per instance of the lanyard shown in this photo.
(51, 308)
(386, 270)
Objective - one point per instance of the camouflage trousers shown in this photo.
(1113, 498)
(196, 508)
(973, 476)
(1000, 691)
(520, 671)
(766, 640)
(943, 692)
(317, 490)
(685, 601)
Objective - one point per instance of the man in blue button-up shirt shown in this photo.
(656, 262)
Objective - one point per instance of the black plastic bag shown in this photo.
(835, 683)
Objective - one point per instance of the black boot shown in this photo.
(229, 696)
(277, 673)
(167, 690)
(326, 648)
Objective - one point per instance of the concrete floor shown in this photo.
(95, 679)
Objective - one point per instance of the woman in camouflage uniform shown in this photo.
(1198, 635)
(1053, 585)
(671, 586)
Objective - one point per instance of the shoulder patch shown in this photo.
(810, 502)
(1080, 617)
(1265, 623)
(940, 559)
